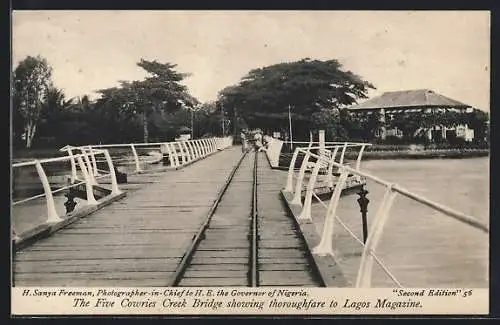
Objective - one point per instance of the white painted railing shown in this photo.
(83, 171)
(369, 256)
(179, 153)
(326, 160)
(275, 146)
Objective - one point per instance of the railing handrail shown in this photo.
(48, 160)
(137, 144)
(333, 146)
(180, 152)
(470, 220)
(326, 142)
(371, 240)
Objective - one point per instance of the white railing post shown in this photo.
(204, 146)
(329, 174)
(365, 267)
(191, 150)
(171, 158)
(306, 209)
(297, 197)
(173, 149)
(94, 163)
(73, 164)
(343, 153)
(325, 245)
(209, 145)
(215, 147)
(114, 183)
(360, 154)
(49, 198)
(358, 161)
(196, 149)
(291, 171)
(89, 165)
(186, 150)
(200, 147)
(273, 151)
(181, 150)
(88, 182)
(136, 159)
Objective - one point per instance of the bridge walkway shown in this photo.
(137, 241)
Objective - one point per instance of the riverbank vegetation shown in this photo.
(311, 94)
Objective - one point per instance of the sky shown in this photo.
(446, 51)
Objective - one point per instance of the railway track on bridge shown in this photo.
(248, 238)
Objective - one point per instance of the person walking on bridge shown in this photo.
(258, 141)
(243, 139)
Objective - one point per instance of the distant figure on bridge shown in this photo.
(258, 141)
(243, 138)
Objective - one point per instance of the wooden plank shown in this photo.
(282, 260)
(329, 269)
(273, 253)
(223, 253)
(89, 282)
(93, 275)
(131, 240)
(213, 282)
(286, 278)
(281, 267)
(222, 273)
(149, 265)
(282, 256)
(218, 260)
(215, 267)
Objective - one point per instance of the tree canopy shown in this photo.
(160, 91)
(32, 81)
(308, 87)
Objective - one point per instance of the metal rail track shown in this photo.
(254, 261)
(237, 253)
(174, 281)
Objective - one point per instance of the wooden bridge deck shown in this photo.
(137, 241)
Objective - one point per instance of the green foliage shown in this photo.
(160, 91)
(311, 88)
(31, 81)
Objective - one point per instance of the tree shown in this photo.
(309, 87)
(32, 80)
(54, 109)
(408, 123)
(160, 91)
(478, 121)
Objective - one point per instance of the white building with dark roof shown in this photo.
(415, 102)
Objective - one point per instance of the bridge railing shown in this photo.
(275, 147)
(326, 161)
(84, 171)
(369, 245)
(140, 157)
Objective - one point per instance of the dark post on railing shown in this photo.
(363, 205)
(70, 204)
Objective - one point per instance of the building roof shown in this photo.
(409, 98)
